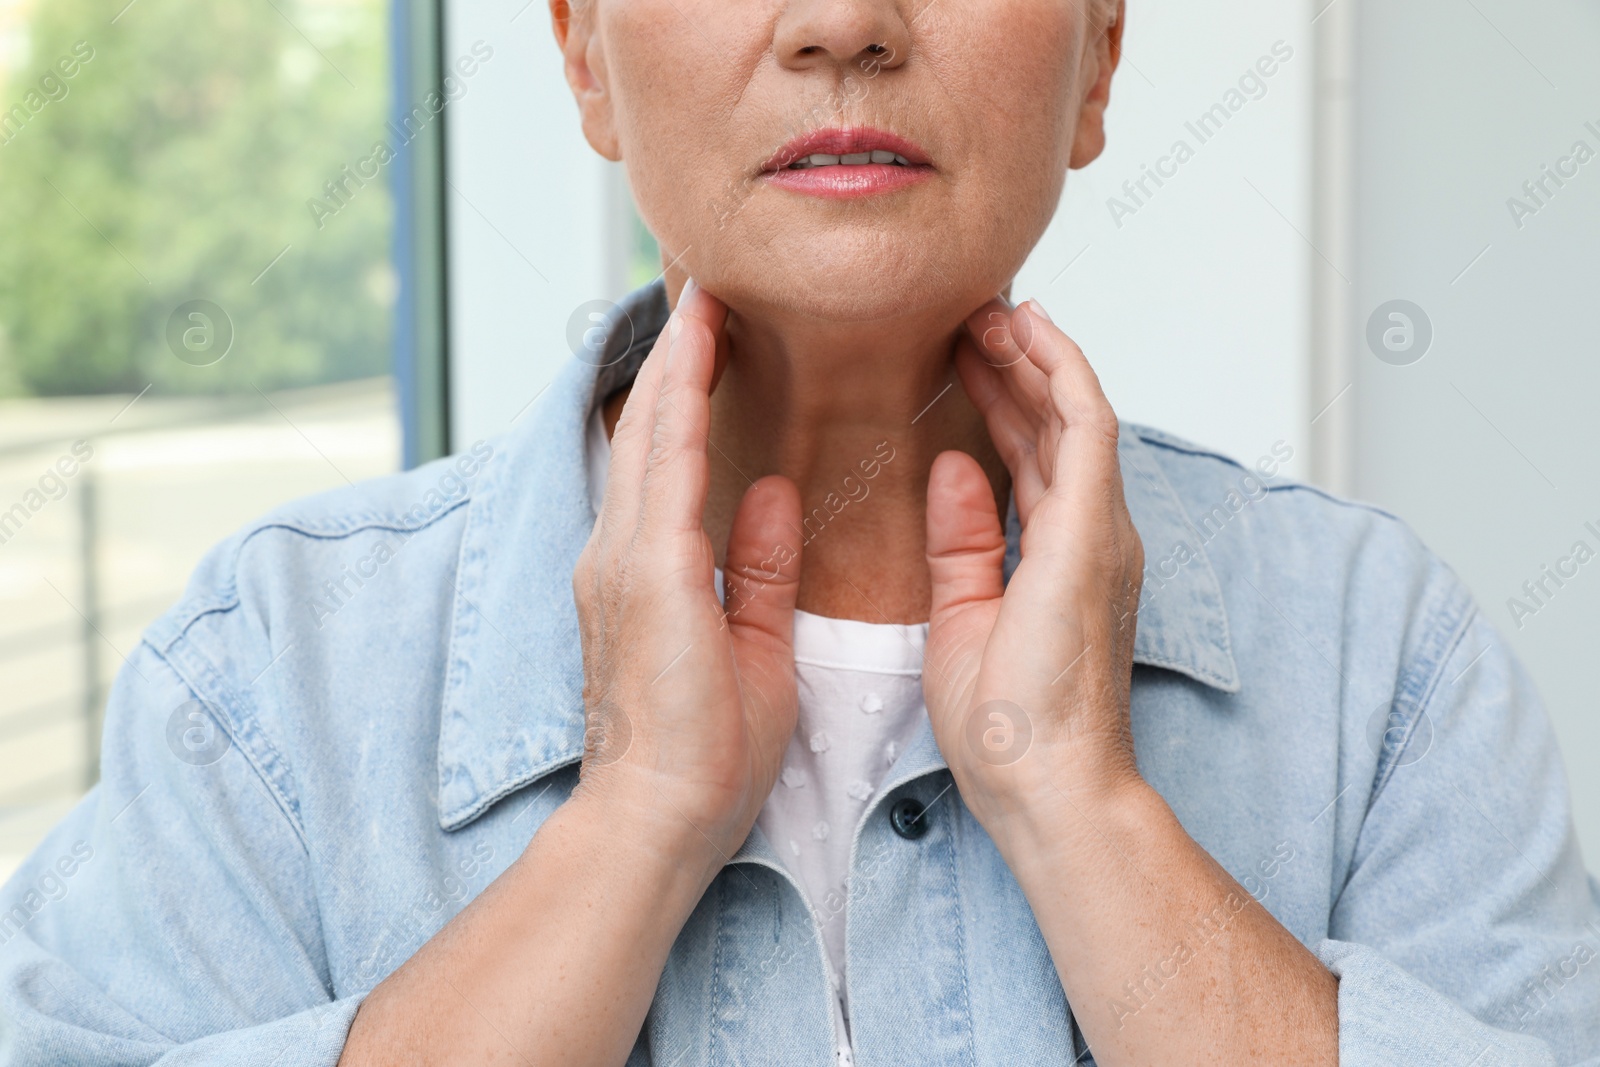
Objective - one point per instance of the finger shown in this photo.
(993, 331)
(630, 443)
(761, 574)
(966, 546)
(1075, 390)
(1081, 432)
(677, 471)
(990, 327)
(630, 440)
(995, 339)
(1026, 383)
(1015, 432)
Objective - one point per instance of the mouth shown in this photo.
(848, 163)
(857, 159)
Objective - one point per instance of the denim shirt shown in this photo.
(367, 703)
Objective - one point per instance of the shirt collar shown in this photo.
(512, 708)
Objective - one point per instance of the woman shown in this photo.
(1014, 736)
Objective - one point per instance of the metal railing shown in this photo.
(84, 637)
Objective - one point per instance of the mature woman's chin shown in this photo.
(852, 279)
(863, 295)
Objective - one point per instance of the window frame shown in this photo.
(421, 326)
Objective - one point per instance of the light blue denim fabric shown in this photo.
(396, 675)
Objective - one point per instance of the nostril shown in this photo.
(877, 49)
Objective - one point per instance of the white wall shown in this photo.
(1195, 310)
(527, 216)
(1488, 444)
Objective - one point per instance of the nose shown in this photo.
(870, 34)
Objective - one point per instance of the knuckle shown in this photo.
(1060, 386)
(1093, 411)
(664, 445)
(1135, 553)
(1083, 403)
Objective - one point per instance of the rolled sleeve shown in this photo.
(54, 1016)
(1468, 933)
(171, 918)
(1387, 1017)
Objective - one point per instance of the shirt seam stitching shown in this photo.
(952, 825)
(189, 610)
(246, 729)
(1416, 698)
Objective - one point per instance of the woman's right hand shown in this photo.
(688, 708)
(688, 711)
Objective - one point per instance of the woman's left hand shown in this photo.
(1027, 686)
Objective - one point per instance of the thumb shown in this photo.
(761, 575)
(966, 546)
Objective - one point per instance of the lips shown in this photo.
(854, 141)
(844, 163)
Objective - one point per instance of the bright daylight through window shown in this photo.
(184, 344)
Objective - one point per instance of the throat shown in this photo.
(862, 539)
(857, 431)
(862, 530)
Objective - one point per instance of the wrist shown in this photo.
(1034, 809)
(638, 824)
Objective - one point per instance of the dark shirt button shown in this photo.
(907, 818)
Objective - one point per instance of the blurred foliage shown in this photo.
(174, 165)
(644, 254)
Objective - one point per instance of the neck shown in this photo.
(854, 414)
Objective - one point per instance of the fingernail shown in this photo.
(1038, 309)
(689, 288)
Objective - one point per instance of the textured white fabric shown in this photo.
(860, 703)
(860, 687)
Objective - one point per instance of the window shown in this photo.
(198, 321)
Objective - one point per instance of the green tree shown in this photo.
(175, 164)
